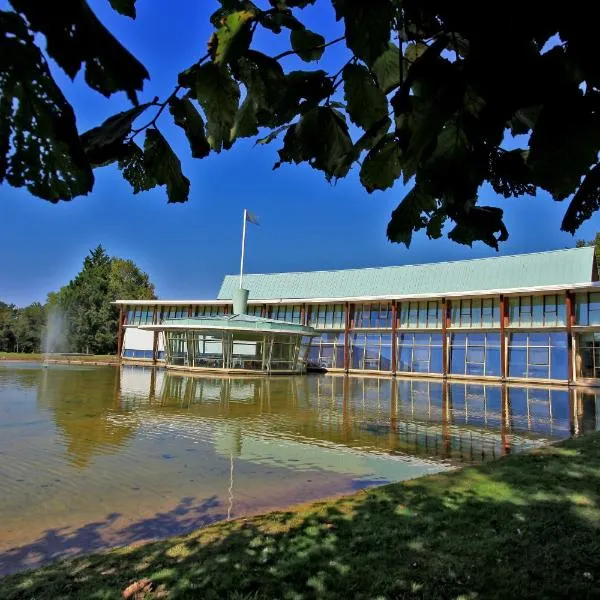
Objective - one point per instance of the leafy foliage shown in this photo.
(456, 100)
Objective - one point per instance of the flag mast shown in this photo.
(243, 247)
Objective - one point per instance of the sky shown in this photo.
(305, 222)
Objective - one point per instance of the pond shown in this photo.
(98, 456)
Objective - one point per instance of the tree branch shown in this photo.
(290, 52)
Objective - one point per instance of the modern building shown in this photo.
(529, 317)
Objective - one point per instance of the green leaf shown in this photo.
(479, 223)
(188, 118)
(303, 91)
(218, 94)
(272, 136)
(408, 215)
(104, 144)
(133, 169)
(75, 36)
(233, 38)
(368, 25)
(568, 115)
(246, 122)
(382, 166)
(584, 203)
(320, 138)
(307, 45)
(162, 164)
(40, 148)
(365, 102)
(414, 51)
(387, 68)
(124, 7)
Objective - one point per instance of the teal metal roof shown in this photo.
(232, 323)
(555, 268)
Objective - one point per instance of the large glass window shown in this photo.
(588, 355)
(371, 316)
(537, 311)
(327, 316)
(476, 354)
(371, 351)
(288, 313)
(476, 312)
(283, 353)
(247, 352)
(421, 315)
(587, 309)
(420, 353)
(538, 355)
(327, 351)
(207, 310)
(140, 315)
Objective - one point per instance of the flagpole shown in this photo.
(243, 247)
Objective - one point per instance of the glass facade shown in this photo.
(538, 311)
(327, 316)
(420, 353)
(587, 309)
(327, 351)
(588, 357)
(288, 313)
(475, 312)
(476, 354)
(371, 351)
(139, 315)
(421, 315)
(373, 316)
(538, 355)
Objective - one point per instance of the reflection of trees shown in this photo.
(81, 402)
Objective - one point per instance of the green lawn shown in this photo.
(65, 357)
(527, 526)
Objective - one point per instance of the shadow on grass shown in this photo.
(527, 526)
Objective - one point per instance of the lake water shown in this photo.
(98, 456)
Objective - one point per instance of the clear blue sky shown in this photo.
(306, 223)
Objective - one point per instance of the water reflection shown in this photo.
(460, 422)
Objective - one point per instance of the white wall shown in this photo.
(137, 339)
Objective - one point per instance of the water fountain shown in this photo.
(54, 338)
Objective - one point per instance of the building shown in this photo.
(529, 317)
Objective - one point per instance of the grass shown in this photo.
(525, 526)
(36, 356)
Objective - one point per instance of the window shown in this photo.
(421, 315)
(373, 316)
(420, 353)
(288, 313)
(371, 351)
(477, 312)
(327, 351)
(537, 311)
(327, 316)
(538, 355)
(476, 354)
(588, 355)
(587, 311)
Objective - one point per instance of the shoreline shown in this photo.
(94, 360)
(524, 525)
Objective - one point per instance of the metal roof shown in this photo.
(574, 266)
(248, 323)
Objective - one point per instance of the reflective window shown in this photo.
(206, 310)
(327, 351)
(538, 355)
(537, 311)
(373, 316)
(327, 316)
(476, 312)
(421, 315)
(476, 354)
(284, 312)
(587, 309)
(140, 315)
(371, 351)
(420, 353)
(588, 355)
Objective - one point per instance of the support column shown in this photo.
(190, 311)
(503, 323)
(445, 324)
(505, 425)
(394, 336)
(154, 336)
(303, 314)
(346, 336)
(120, 333)
(446, 437)
(263, 311)
(570, 306)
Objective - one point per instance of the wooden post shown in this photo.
(303, 314)
(120, 334)
(394, 336)
(505, 424)
(446, 437)
(155, 336)
(570, 306)
(445, 323)
(190, 311)
(503, 323)
(347, 336)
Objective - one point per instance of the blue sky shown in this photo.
(306, 223)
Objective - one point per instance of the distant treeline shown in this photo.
(79, 317)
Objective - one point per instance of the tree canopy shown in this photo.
(457, 100)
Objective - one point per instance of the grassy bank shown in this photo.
(526, 526)
(66, 358)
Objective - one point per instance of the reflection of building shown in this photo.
(457, 420)
(533, 317)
